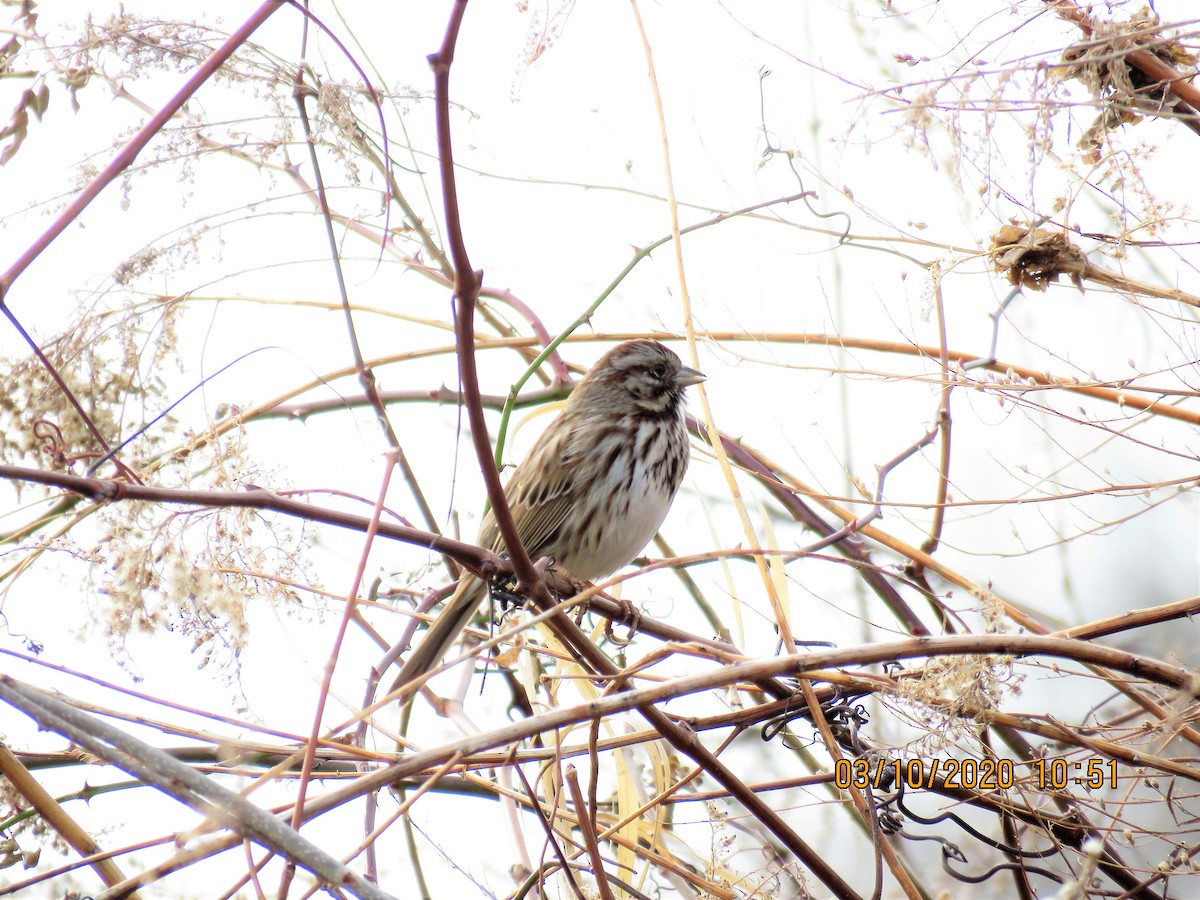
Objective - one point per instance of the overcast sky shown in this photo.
(916, 130)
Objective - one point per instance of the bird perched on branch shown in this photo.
(595, 487)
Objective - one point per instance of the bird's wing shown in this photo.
(541, 494)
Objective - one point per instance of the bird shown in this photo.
(595, 487)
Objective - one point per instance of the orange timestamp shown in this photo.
(1058, 774)
(973, 774)
(918, 774)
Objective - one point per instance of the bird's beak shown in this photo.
(686, 377)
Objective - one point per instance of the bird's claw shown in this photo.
(632, 618)
(506, 590)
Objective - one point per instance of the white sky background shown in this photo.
(562, 179)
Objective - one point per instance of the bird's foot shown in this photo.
(631, 617)
(506, 590)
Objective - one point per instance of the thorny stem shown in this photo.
(466, 291)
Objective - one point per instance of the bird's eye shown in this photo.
(659, 370)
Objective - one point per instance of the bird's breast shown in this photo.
(640, 471)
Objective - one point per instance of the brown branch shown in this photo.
(1119, 396)
(1133, 618)
(442, 395)
(100, 490)
(1024, 645)
(466, 291)
(587, 825)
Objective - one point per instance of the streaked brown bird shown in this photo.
(595, 487)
